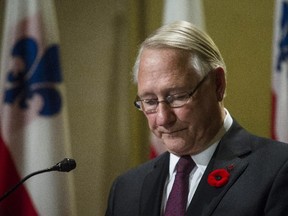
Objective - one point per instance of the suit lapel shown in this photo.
(152, 190)
(228, 155)
(207, 197)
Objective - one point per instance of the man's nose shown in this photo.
(165, 114)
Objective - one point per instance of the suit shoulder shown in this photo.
(268, 143)
(271, 148)
(240, 137)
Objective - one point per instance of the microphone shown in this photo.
(66, 165)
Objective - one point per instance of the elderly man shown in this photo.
(213, 166)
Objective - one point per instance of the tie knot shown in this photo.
(185, 164)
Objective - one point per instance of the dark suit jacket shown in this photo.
(258, 183)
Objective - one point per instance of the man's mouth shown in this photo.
(172, 132)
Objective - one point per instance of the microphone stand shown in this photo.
(65, 165)
(22, 181)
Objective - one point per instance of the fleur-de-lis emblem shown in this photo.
(36, 76)
(283, 42)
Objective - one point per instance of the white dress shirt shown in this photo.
(201, 160)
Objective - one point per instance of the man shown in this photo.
(181, 86)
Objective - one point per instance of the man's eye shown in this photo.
(150, 102)
(180, 97)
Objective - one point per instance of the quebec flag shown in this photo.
(33, 119)
(280, 73)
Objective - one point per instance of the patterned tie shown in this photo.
(177, 201)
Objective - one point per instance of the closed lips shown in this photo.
(171, 132)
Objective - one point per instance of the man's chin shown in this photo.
(174, 143)
(172, 137)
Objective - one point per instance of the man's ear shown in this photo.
(220, 83)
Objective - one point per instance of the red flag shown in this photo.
(34, 131)
(280, 73)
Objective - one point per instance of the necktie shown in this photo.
(177, 201)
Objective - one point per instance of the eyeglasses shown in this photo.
(149, 106)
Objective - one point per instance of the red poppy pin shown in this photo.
(219, 177)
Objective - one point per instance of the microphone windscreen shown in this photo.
(65, 165)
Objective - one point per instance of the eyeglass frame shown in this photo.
(138, 100)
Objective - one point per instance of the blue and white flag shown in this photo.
(33, 123)
(280, 73)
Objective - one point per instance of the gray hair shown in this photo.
(186, 36)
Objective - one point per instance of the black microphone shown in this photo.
(65, 165)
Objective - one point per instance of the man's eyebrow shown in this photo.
(166, 92)
(147, 95)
